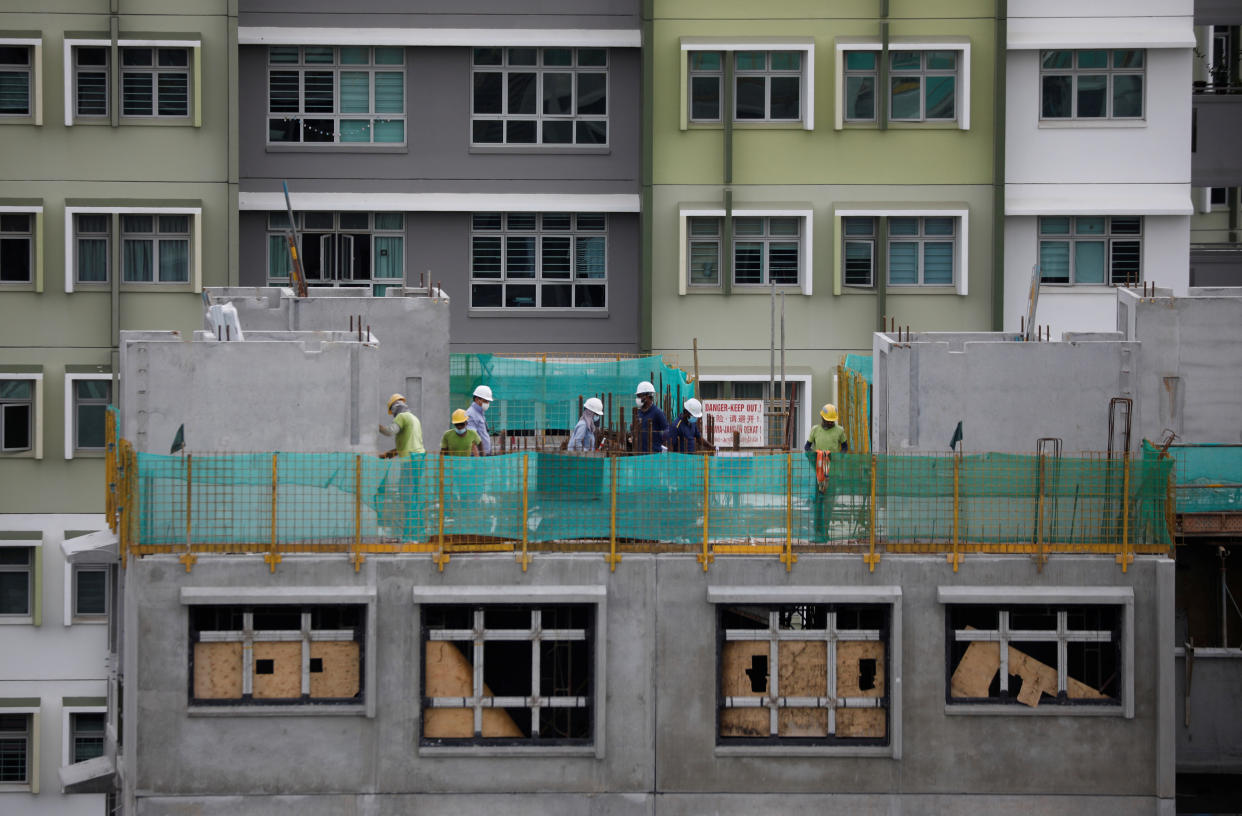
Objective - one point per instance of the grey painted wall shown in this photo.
(659, 738)
(1215, 161)
(439, 243)
(438, 157)
(1206, 741)
(1209, 268)
(444, 13)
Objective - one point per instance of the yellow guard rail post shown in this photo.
(524, 557)
(188, 557)
(1040, 557)
(788, 558)
(273, 558)
(612, 558)
(707, 556)
(872, 557)
(441, 557)
(357, 556)
(1125, 557)
(955, 557)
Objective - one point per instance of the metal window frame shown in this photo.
(279, 229)
(78, 402)
(5, 404)
(693, 73)
(921, 238)
(869, 239)
(29, 70)
(768, 72)
(539, 117)
(154, 70)
(1108, 237)
(536, 635)
(539, 281)
(29, 568)
(1074, 72)
(106, 69)
(29, 735)
(873, 74)
(922, 73)
(78, 615)
(775, 702)
(371, 68)
(692, 239)
(158, 237)
(74, 734)
(79, 235)
(767, 239)
(306, 634)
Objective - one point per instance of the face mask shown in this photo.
(484, 406)
(693, 420)
(460, 431)
(638, 401)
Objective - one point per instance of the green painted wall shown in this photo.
(134, 162)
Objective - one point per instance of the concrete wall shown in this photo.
(413, 333)
(286, 391)
(659, 753)
(1207, 742)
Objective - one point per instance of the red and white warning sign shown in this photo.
(744, 416)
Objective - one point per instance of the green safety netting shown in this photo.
(333, 498)
(860, 363)
(1208, 477)
(541, 394)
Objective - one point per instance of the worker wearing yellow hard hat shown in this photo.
(401, 514)
(825, 439)
(460, 440)
(405, 427)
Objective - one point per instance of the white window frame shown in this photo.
(155, 238)
(883, 95)
(807, 86)
(961, 256)
(71, 615)
(530, 596)
(806, 271)
(36, 81)
(1108, 238)
(33, 572)
(919, 239)
(195, 282)
(538, 280)
(154, 70)
(70, 415)
(804, 380)
(1074, 73)
(779, 596)
(31, 785)
(66, 729)
(194, 71)
(36, 450)
(35, 212)
(1003, 596)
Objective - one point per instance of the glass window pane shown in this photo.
(174, 224)
(389, 256)
(1089, 261)
(489, 56)
(938, 263)
(521, 132)
(1058, 98)
(136, 56)
(859, 97)
(1127, 96)
(941, 60)
(786, 97)
(858, 263)
(860, 60)
(174, 57)
(748, 226)
(783, 262)
(589, 297)
(903, 262)
(704, 60)
(488, 92)
(14, 390)
(705, 97)
(1054, 261)
(520, 221)
(1054, 225)
(317, 54)
(277, 257)
(486, 221)
(1057, 59)
(485, 258)
(355, 55)
(319, 92)
(591, 132)
(355, 130)
(557, 221)
(905, 60)
(750, 60)
(589, 257)
(282, 92)
(389, 221)
(137, 223)
(174, 261)
(786, 60)
(355, 92)
(704, 226)
(522, 93)
(90, 426)
(523, 56)
(557, 262)
(906, 93)
(83, 55)
(557, 296)
(783, 226)
(1092, 96)
(136, 261)
(487, 131)
(558, 132)
(941, 97)
(591, 57)
(14, 586)
(520, 296)
(1128, 59)
(1089, 225)
(389, 92)
(1092, 59)
(15, 260)
(174, 92)
(748, 262)
(136, 94)
(858, 226)
(485, 297)
(277, 54)
(750, 97)
(520, 256)
(590, 221)
(92, 95)
(704, 262)
(592, 94)
(92, 260)
(558, 92)
(558, 56)
(389, 56)
(15, 92)
(903, 226)
(92, 389)
(355, 220)
(938, 226)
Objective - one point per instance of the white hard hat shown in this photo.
(694, 407)
(483, 392)
(594, 406)
(644, 387)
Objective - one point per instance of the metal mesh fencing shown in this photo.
(1208, 478)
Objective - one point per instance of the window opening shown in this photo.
(540, 96)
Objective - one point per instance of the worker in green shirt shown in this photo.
(460, 440)
(824, 440)
(406, 518)
(404, 426)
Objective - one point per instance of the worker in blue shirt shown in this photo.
(651, 424)
(475, 419)
(686, 436)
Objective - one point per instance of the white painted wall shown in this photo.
(1166, 262)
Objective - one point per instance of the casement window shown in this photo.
(155, 248)
(92, 243)
(277, 655)
(86, 735)
(16, 247)
(1096, 249)
(804, 673)
(509, 674)
(538, 261)
(539, 96)
(921, 251)
(1035, 655)
(923, 86)
(861, 77)
(155, 82)
(17, 415)
(344, 249)
(858, 250)
(928, 83)
(767, 85)
(1092, 84)
(706, 77)
(91, 398)
(336, 95)
(90, 593)
(17, 761)
(16, 80)
(766, 250)
(17, 571)
(1218, 196)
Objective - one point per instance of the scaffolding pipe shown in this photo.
(706, 557)
(525, 510)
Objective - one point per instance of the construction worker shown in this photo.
(460, 440)
(651, 424)
(476, 420)
(825, 439)
(404, 426)
(583, 436)
(686, 436)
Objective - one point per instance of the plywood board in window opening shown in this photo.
(217, 671)
(285, 681)
(803, 673)
(859, 663)
(447, 673)
(339, 677)
(738, 666)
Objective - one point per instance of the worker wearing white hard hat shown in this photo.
(650, 424)
(583, 436)
(686, 435)
(475, 419)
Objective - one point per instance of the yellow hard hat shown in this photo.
(829, 412)
(459, 416)
(395, 398)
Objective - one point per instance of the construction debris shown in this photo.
(449, 674)
(975, 671)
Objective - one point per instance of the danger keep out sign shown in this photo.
(743, 416)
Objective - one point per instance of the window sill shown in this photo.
(22, 454)
(157, 287)
(338, 147)
(101, 121)
(76, 621)
(1059, 124)
(766, 289)
(903, 125)
(507, 750)
(155, 122)
(17, 120)
(89, 454)
(1019, 710)
(907, 289)
(17, 620)
(1077, 289)
(13, 286)
(541, 150)
(9, 787)
(885, 751)
(575, 314)
(259, 710)
(850, 289)
(748, 125)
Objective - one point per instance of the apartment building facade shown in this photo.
(841, 156)
(114, 212)
(1097, 166)
(486, 148)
